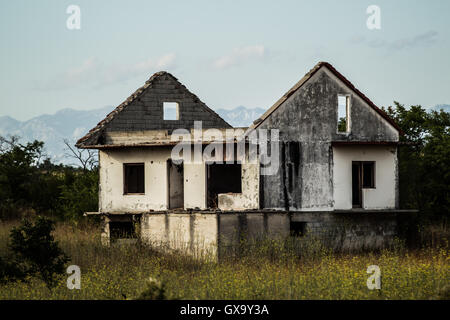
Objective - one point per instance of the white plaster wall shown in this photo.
(249, 198)
(384, 194)
(111, 197)
(194, 185)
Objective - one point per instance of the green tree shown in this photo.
(424, 159)
(79, 193)
(18, 173)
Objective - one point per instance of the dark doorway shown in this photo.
(175, 179)
(356, 185)
(222, 178)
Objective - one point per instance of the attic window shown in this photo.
(343, 120)
(170, 111)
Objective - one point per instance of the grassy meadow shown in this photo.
(266, 272)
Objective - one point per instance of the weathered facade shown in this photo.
(337, 173)
(316, 159)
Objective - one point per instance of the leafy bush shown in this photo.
(79, 193)
(36, 252)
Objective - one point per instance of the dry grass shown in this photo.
(122, 272)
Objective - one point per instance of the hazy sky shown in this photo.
(229, 53)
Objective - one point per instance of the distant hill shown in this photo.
(67, 124)
(72, 124)
(240, 116)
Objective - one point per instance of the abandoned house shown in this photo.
(336, 171)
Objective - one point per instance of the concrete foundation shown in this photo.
(213, 235)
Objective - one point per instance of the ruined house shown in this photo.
(334, 151)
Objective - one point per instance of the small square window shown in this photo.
(133, 178)
(170, 111)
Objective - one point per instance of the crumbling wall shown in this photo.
(249, 198)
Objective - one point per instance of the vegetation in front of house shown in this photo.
(34, 253)
(268, 271)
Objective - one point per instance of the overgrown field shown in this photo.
(122, 272)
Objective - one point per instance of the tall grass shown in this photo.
(269, 269)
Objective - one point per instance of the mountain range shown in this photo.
(72, 124)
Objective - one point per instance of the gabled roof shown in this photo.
(82, 142)
(308, 76)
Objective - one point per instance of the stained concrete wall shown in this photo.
(215, 235)
(338, 231)
(383, 196)
(307, 121)
(194, 234)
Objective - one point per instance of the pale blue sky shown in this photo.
(229, 53)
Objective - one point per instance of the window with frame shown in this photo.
(133, 178)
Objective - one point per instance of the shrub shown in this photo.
(155, 291)
(36, 251)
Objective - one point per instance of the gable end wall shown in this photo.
(307, 121)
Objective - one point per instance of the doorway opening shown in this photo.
(175, 179)
(363, 176)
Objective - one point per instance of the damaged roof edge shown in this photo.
(307, 76)
(83, 141)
